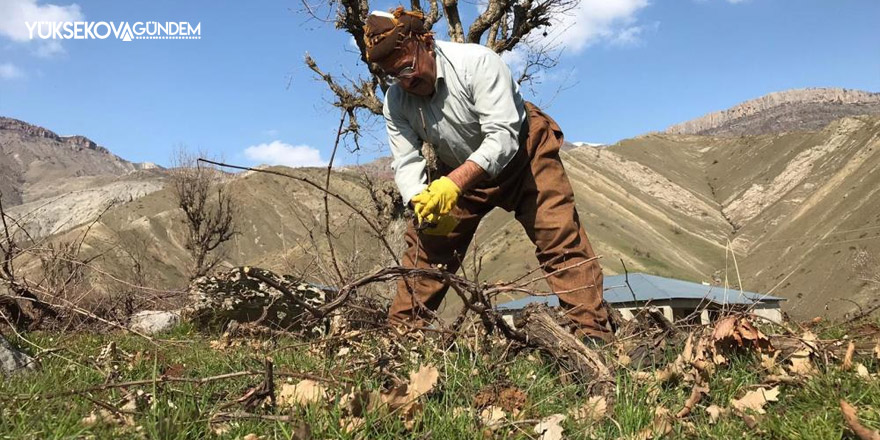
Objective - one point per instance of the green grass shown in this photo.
(183, 410)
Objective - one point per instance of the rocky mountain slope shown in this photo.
(779, 112)
(57, 182)
(792, 213)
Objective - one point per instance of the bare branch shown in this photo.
(433, 14)
(209, 223)
(453, 20)
(334, 260)
(494, 12)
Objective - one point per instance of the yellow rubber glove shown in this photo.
(445, 225)
(419, 201)
(439, 200)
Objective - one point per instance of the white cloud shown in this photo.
(280, 153)
(48, 48)
(14, 14)
(598, 20)
(10, 71)
(632, 36)
(515, 58)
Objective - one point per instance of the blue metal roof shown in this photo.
(654, 288)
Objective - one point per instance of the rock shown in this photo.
(153, 321)
(12, 360)
(246, 295)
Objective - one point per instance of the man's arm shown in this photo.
(408, 163)
(493, 92)
(467, 175)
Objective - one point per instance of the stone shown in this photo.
(13, 361)
(150, 322)
(246, 295)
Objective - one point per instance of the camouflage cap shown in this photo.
(384, 31)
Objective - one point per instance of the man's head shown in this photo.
(403, 48)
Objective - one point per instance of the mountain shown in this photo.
(793, 212)
(54, 183)
(800, 210)
(780, 112)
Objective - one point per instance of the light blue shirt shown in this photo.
(475, 114)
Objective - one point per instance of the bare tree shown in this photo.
(209, 208)
(20, 304)
(502, 26)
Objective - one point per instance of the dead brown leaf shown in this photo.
(724, 328)
(737, 332)
(801, 364)
(593, 410)
(852, 421)
(751, 421)
(492, 416)
(220, 428)
(715, 412)
(755, 400)
(358, 403)
(401, 399)
(304, 392)
(423, 380)
(397, 397)
(748, 331)
(549, 427)
(623, 360)
(862, 372)
(102, 416)
(768, 362)
(696, 394)
(660, 426)
(350, 424)
(847, 358)
(667, 374)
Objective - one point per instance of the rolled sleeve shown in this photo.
(408, 163)
(500, 119)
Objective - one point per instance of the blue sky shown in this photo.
(627, 67)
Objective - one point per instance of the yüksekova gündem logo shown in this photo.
(123, 30)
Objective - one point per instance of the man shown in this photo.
(493, 149)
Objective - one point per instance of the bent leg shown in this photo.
(547, 211)
(429, 251)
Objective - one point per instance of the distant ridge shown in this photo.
(786, 111)
(36, 162)
(75, 141)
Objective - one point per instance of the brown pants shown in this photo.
(534, 186)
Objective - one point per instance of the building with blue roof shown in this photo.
(677, 299)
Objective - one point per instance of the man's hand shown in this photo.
(436, 200)
(444, 226)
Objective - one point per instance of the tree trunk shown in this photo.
(544, 332)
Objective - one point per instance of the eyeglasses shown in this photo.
(406, 72)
